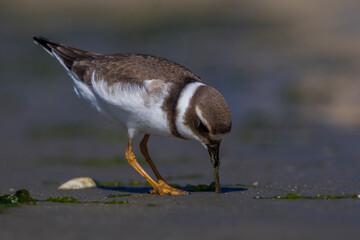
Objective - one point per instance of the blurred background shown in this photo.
(289, 71)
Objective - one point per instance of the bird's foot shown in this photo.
(164, 189)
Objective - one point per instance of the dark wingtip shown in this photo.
(44, 42)
(36, 38)
(40, 40)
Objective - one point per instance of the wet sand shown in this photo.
(234, 213)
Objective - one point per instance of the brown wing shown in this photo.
(131, 68)
(117, 67)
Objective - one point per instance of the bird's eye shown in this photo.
(203, 128)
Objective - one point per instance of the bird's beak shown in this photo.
(215, 161)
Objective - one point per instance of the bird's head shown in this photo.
(208, 117)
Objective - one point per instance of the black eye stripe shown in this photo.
(203, 128)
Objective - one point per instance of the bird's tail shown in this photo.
(65, 54)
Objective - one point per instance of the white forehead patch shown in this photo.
(183, 104)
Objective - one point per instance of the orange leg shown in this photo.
(162, 183)
(132, 161)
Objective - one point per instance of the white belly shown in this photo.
(138, 108)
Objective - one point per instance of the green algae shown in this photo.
(117, 195)
(151, 205)
(111, 196)
(254, 185)
(110, 202)
(135, 183)
(201, 187)
(138, 183)
(19, 197)
(22, 196)
(110, 184)
(294, 196)
(62, 199)
(354, 196)
(116, 202)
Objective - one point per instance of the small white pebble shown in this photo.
(78, 183)
(358, 196)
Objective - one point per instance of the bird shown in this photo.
(148, 95)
